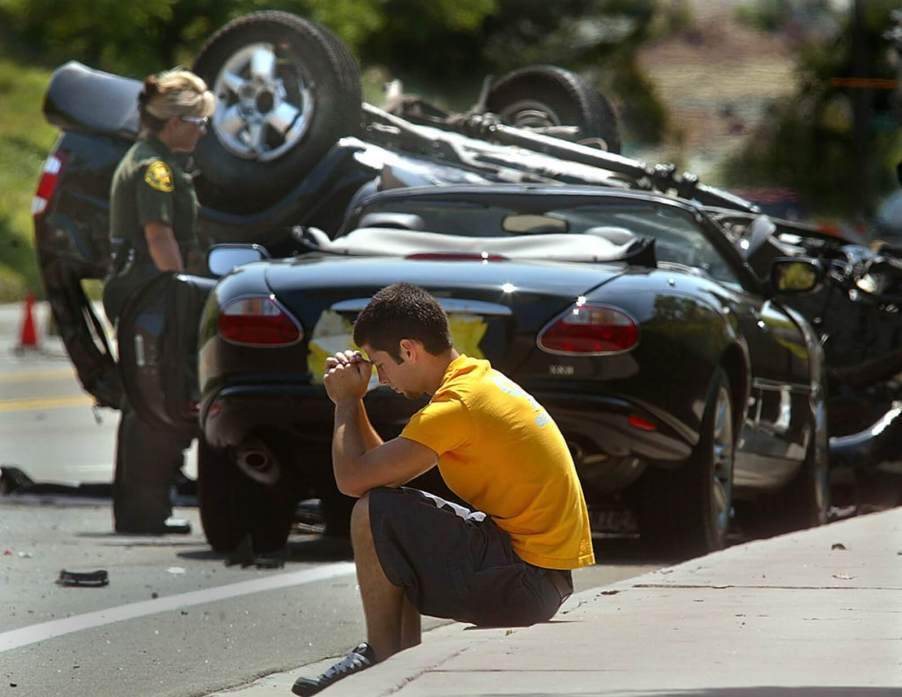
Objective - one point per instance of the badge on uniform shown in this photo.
(159, 176)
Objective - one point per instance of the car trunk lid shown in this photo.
(495, 308)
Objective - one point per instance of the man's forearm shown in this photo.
(352, 436)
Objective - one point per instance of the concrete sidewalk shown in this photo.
(813, 613)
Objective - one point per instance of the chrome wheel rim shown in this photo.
(529, 114)
(264, 105)
(722, 455)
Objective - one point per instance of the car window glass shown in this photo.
(678, 237)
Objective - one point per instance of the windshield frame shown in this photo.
(536, 198)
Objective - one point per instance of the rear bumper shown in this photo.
(617, 427)
(234, 412)
(597, 423)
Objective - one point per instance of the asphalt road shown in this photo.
(174, 619)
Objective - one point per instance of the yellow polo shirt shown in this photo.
(500, 451)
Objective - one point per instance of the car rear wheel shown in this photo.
(687, 511)
(541, 96)
(287, 89)
(217, 498)
(233, 506)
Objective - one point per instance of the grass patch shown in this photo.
(25, 140)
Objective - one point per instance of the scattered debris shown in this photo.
(244, 555)
(85, 579)
(271, 560)
(838, 545)
(14, 481)
(24, 555)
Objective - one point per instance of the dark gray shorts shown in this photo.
(456, 563)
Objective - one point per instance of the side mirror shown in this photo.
(225, 258)
(789, 275)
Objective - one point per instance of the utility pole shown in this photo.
(894, 36)
(861, 116)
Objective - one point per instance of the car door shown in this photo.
(157, 336)
(778, 423)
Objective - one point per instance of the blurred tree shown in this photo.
(840, 115)
(446, 42)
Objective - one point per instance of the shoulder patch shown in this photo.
(158, 176)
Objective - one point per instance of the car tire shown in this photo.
(546, 95)
(337, 514)
(233, 506)
(217, 498)
(687, 511)
(287, 89)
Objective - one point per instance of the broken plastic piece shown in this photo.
(90, 579)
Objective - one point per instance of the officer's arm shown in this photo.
(163, 248)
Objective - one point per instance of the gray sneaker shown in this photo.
(361, 658)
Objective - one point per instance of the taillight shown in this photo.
(50, 178)
(258, 321)
(587, 329)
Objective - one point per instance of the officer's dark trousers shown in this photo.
(147, 458)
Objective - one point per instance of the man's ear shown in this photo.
(410, 349)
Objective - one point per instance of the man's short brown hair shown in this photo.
(402, 311)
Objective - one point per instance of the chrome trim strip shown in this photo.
(775, 386)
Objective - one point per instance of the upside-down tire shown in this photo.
(546, 95)
(287, 89)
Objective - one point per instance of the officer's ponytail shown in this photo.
(151, 90)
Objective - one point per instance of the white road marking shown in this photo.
(49, 630)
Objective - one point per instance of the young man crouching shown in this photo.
(507, 561)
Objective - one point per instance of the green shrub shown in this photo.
(25, 139)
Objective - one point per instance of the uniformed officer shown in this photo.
(153, 208)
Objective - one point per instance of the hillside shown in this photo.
(717, 81)
(25, 139)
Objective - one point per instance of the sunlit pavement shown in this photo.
(812, 613)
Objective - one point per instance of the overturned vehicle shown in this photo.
(623, 295)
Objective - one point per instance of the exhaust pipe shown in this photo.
(869, 447)
(257, 461)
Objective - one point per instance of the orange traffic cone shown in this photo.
(29, 337)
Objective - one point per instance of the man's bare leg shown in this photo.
(411, 631)
(383, 602)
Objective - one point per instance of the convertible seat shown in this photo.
(82, 99)
(554, 247)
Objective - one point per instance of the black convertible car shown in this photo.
(681, 379)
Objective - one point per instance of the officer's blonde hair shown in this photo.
(176, 92)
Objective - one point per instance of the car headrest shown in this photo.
(401, 221)
(611, 233)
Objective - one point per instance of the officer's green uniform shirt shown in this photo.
(151, 185)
